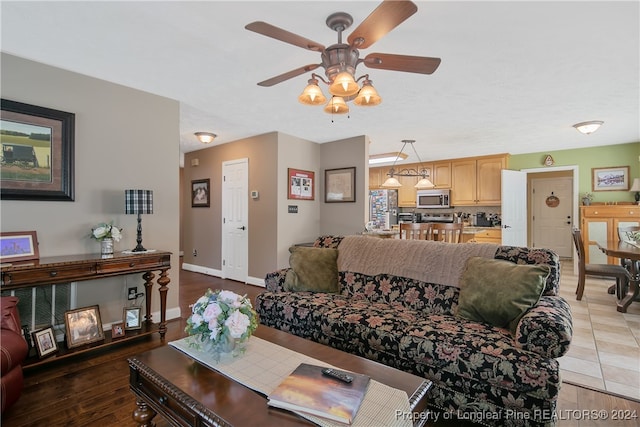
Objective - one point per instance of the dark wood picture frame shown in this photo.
(340, 185)
(18, 246)
(132, 317)
(300, 184)
(44, 341)
(117, 330)
(200, 193)
(83, 326)
(37, 153)
(615, 178)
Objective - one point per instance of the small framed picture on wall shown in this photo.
(200, 193)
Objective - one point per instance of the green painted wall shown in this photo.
(587, 158)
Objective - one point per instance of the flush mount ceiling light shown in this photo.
(205, 137)
(340, 60)
(392, 181)
(588, 127)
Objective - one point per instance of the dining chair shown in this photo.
(415, 230)
(602, 270)
(450, 232)
(622, 235)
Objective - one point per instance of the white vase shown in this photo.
(106, 246)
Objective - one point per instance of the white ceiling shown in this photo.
(515, 76)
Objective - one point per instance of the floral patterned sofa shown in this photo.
(483, 373)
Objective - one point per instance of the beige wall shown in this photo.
(203, 226)
(346, 218)
(124, 138)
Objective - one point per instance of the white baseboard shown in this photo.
(218, 273)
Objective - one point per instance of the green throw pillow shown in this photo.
(499, 292)
(312, 269)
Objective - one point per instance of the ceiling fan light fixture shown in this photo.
(205, 137)
(588, 127)
(344, 85)
(336, 105)
(368, 95)
(312, 94)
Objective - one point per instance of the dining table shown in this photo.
(630, 254)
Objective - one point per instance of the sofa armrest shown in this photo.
(547, 328)
(274, 281)
(10, 318)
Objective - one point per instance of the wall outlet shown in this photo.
(132, 293)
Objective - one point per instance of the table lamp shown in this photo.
(636, 187)
(138, 202)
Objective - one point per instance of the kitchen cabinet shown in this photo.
(488, 236)
(600, 223)
(476, 181)
(441, 172)
(376, 177)
(407, 193)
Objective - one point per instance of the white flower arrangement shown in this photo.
(106, 231)
(219, 320)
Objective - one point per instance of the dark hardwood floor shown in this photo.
(93, 389)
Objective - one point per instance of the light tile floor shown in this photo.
(605, 350)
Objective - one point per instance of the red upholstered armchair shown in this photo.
(13, 350)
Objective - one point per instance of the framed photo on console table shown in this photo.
(37, 153)
(45, 342)
(18, 246)
(132, 318)
(340, 185)
(83, 326)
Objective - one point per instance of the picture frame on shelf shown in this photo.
(132, 318)
(200, 193)
(300, 184)
(340, 185)
(37, 152)
(83, 326)
(615, 178)
(44, 341)
(18, 246)
(117, 330)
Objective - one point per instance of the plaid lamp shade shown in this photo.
(138, 201)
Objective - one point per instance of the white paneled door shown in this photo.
(514, 208)
(235, 219)
(552, 214)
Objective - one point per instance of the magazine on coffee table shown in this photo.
(308, 390)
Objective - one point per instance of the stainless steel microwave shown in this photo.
(433, 199)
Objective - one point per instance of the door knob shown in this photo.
(506, 226)
(241, 228)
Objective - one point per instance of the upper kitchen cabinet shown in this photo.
(407, 193)
(376, 177)
(441, 172)
(476, 181)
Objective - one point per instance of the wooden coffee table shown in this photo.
(187, 393)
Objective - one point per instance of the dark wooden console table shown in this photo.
(76, 268)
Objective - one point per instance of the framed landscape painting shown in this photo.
(37, 152)
(610, 179)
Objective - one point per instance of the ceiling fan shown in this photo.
(341, 59)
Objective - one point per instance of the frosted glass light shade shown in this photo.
(424, 183)
(391, 182)
(312, 95)
(336, 105)
(368, 96)
(344, 85)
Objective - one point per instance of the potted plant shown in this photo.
(586, 198)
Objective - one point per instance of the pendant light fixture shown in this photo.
(392, 181)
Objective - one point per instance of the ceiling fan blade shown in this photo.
(290, 74)
(387, 16)
(409, 64)
(283, 35)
